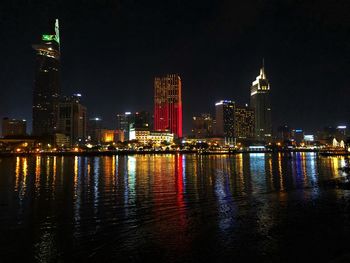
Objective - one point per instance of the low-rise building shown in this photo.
(13, 127)
(62, 140)
(107, 136)
(144, 136)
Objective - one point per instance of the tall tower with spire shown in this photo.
(260, 100)
(47, 83)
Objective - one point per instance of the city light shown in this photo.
(341, 127)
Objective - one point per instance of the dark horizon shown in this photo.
(112, 51)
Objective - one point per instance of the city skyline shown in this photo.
(112, 87)
(174, 131)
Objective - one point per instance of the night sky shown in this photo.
(111, 51)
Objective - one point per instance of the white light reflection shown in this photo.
(257, 172)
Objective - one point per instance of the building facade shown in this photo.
(224, 116)
(124, 121)
(142, 120)
(297, 136)
(244, 120)
(72, 119)
(202, 126)
(168, 104)
(260, 101)
(119, 136)
(284, 133)
(47, 84)
(13, 127)
(144, 136)
(107, 136)
(94, 128)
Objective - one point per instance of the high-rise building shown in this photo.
(47, 84)
(284, 133)
(94, 128)
(142, 120)
(261, 102)
(72, 119)
(13, 127)
(297, 136)
(244, 122)
(168, 104)
(202, 126)
(224, 116)
(124, 121)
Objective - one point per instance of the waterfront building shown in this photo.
(212, 141)
(284, 133)
(72, 119)
(244, 121)
(225, 123)
(13, 127)
(309, 139)
(202, 126)
(47, 84)
(342, 129)
(145, 136)
(62, 140)
(297, 136)
(234, 121)
(107, 136)
(330, 132)
(142, 120)
(260, 100)
(18, 144)
(124, 121)
(168, 104)
(119, 136)
(94, 130)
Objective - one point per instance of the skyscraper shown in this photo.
(225, 123)
(124, 120)
(72, 118)
(261, 102)
(244, 122)
(168, 104)
(47, 84)
(202, 126)
(94, 127)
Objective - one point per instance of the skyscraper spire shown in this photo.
(57, 32)
(262, 70)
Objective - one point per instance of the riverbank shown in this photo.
(143, 152)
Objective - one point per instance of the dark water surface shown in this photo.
(173, 208)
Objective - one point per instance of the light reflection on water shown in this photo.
(111, 207)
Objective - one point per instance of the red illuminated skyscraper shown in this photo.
(168, 104)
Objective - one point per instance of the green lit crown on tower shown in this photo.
(55, 37)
